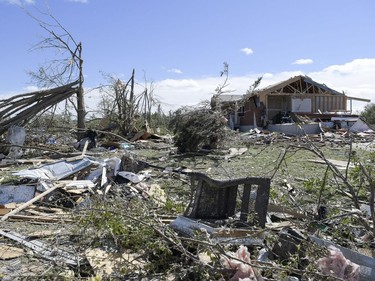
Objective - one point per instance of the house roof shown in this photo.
(298, 85)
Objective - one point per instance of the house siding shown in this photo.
(329, 103)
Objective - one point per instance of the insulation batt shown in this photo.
(241, 263)
(337, 265)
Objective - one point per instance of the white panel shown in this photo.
(301, 105)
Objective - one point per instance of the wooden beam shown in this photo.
(359, 99)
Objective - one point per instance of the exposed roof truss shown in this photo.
(299, 85)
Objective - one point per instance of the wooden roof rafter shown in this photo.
(298, 85)
(280, 85)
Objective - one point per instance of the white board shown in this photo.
(301, 105)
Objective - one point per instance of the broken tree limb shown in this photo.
(36, 198)
(21, 108)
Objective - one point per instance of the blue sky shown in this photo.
(180, 46)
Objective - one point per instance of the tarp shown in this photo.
(16, 193)
(359, 126)
(55, 171)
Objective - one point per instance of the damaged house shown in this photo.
(298, 99)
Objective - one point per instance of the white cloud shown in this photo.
(79, 1)
(188, 84)
(30, 89)
(175, 70)
(303, 61)
(247, 51)
(19, 2)
(365, 66)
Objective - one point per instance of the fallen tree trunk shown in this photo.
(18, 110)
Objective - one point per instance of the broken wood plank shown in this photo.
(282, 209)
(76, 191)
(8, 252)
(52, 210)
(278, 225)
(11, 205)
(137, 136)
(44, 233)
(85, 148)
(233, 152)
(4, 211)
(34, 161)
(104, 179)
(77, 184)
(338, 163)
(42, 214)
(107, 188)
(43, 219)
(6, 208)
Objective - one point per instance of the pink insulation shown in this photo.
(335, 264)
(244, 271)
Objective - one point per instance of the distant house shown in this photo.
(284, 102)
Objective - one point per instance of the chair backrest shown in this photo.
(217, 199)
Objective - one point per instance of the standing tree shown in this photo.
(66, 67)
(125, 108)
(368, 113)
